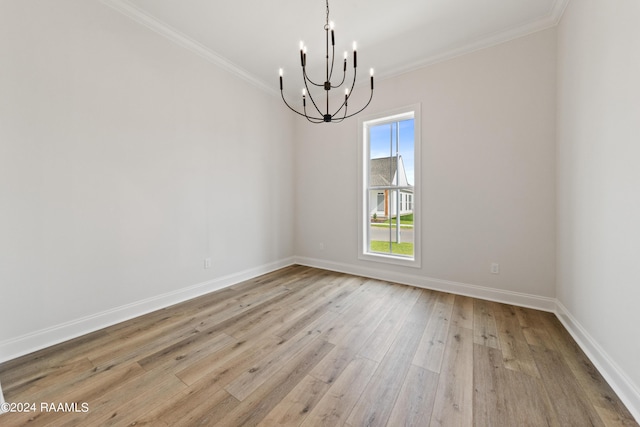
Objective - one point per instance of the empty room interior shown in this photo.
(186, 238)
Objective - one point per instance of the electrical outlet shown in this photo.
(495, 268)
(207, 263)
(322, 246)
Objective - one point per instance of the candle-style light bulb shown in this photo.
(371, 72)
(281, 72)
(355, 55)
(281, 79)
(333, 37)
(304, 92)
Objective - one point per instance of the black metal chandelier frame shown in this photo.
(340, 113)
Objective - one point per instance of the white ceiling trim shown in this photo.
(550, 20)
(127, 8)
(558, 10)
(151, 22)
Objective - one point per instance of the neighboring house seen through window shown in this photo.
(389, 191)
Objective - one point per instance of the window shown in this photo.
(389, 177)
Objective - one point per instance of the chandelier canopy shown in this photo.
(339, 112)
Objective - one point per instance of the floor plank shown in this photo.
(503, 397)
(485, 331)
(257, 405)
(376, 403)
(264, 368)
(432, 345)
(354, 333)
(381, 339)
(516, 353)
(336, 405)
(567, 396)
(454, 399)
(600, 394)
(295, 407)
(462, 312)
(415, 401)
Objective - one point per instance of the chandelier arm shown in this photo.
(344, 103)
(344, 73)
(344, 76)
(305, 76)
(312, 100)
(294, 110)
(353, 83)
(333, 57)
(367, 104)
(346, 106)
(311, 119)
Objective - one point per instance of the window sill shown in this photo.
(390, 259)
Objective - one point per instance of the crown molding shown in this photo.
(551, 19)
(130, 10)
(558, 10)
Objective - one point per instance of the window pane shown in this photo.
(390, 187)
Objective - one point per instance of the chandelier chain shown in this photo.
(326, 25)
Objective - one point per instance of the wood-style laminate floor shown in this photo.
(309, 347)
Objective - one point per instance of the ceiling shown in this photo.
(255, 38)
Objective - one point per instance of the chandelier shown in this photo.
(338, 113)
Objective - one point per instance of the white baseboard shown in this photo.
(626, 390)
(25, 344)
(481, 292)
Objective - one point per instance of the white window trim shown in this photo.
(363, 141)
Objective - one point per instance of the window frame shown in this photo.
(404, 113)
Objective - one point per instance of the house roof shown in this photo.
(383, 171)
